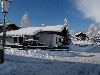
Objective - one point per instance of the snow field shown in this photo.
(77, 61)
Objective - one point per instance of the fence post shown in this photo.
(1, 56)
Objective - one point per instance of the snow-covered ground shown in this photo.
(77, 61)
(83, 42)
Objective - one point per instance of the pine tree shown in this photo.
(67, 39)
(25, 21)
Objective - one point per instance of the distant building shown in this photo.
(80, 36)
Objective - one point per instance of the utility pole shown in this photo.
(4, 6)
(4, 31)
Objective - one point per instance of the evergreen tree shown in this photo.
(67, 39)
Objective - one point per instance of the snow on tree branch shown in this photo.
(93, 30)
(25, 22)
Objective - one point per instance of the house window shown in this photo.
(20, 39)
(56, 40)
(60, 40)
(15, 39)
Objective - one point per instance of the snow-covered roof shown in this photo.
(57, 28)
(23, 31)
(35, 30)
(78, 33)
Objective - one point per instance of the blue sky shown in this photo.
(50, 12)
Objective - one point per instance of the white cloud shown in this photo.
(90, 8)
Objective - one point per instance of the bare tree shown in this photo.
(25, 22)
(93, 31)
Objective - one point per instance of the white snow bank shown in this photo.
(58, 63)
(38, 62)
(82, 42)
(91, 48)
(45, 54)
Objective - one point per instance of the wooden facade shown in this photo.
(10, 27)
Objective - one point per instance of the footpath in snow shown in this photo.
(77, 61)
